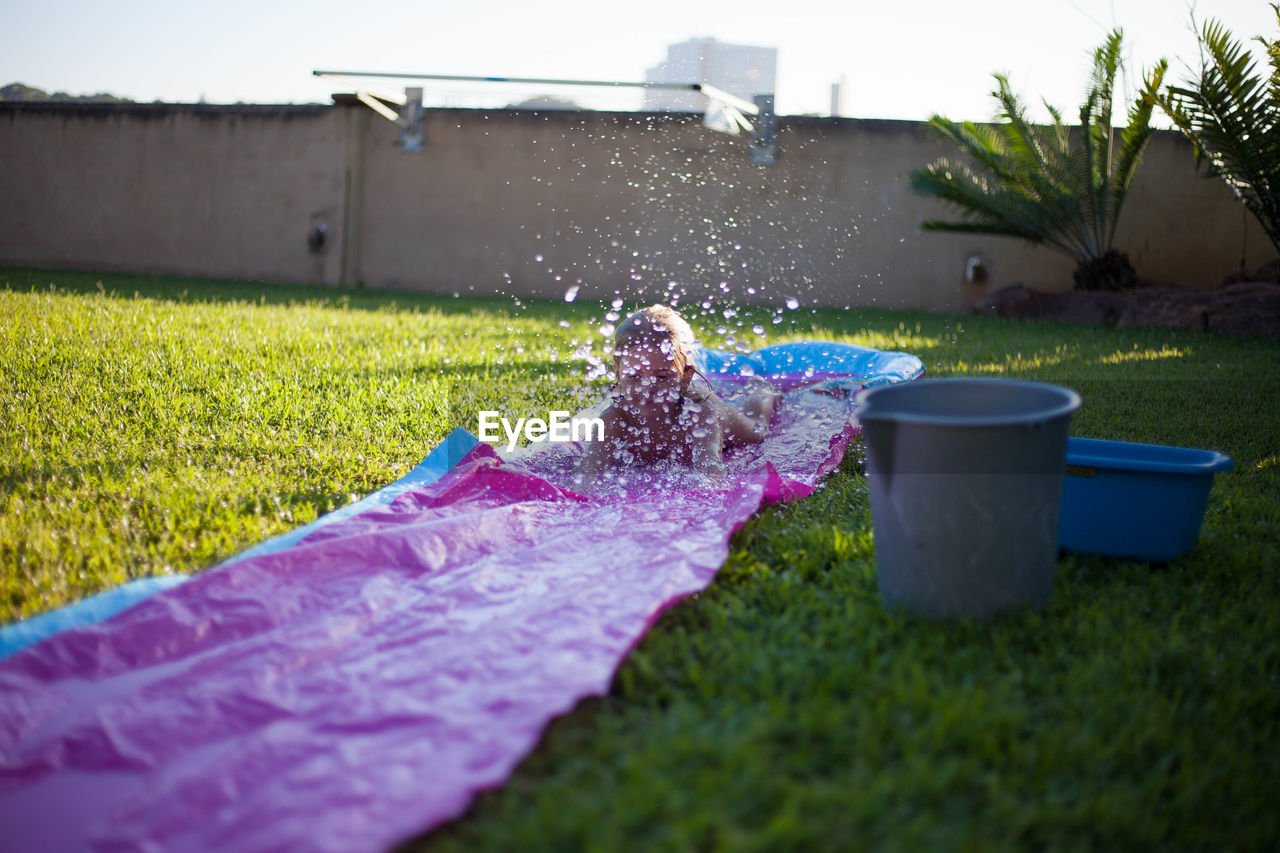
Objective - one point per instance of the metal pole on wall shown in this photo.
(353, 199)
(761, 125)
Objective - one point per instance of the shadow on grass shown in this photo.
(196, 290)
(791, 325)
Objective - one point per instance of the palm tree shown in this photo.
(1232, 116)
(1055, 186)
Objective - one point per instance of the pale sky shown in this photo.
(902, 59)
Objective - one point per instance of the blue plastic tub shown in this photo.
(1136, 501)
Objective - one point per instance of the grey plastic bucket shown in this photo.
(966, 487)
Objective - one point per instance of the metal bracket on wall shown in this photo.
(409, 118)
(764, 133)
(726, 112)
(411, 121)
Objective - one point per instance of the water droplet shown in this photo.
(538, 258)
(571, 294)
(758, 329)
(564, 324)
(792, 303)
(616, 303)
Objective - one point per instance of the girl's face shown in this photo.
(648, 381)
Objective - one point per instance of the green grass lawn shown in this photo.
(155, 425)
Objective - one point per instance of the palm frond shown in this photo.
(1043, 153)
(1083, 161)
(1134, 139)
(996, 158)
(1232, 116)
(1059, 133)
(1273, 58)
(1106, 61)
(1018, 133)
(990, 206)
(1048, 185)
(993, 228)
(980, 143)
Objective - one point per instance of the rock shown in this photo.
(1268, 273)
(1176, 308)
(1248, 308)
(1081, 307)
(1016, 300)
(1090, 307)
(1243, 308)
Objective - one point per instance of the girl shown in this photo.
(663, 409)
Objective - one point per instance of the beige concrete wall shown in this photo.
(532, 204)
(185, 189)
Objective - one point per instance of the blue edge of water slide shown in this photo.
(871, 366)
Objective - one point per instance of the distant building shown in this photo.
(545, 102)
(739, 69)
(23, 92)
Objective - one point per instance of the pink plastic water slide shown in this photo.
(360, 686)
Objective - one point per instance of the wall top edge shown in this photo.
(349, 102)
(91, 108)
(342, 102)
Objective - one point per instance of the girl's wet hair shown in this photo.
(656, 327)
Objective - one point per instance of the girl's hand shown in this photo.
(761, 404)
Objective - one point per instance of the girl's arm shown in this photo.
(750, 424)
(708, 448)
(599, 455)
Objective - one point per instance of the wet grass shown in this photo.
(157, 425)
